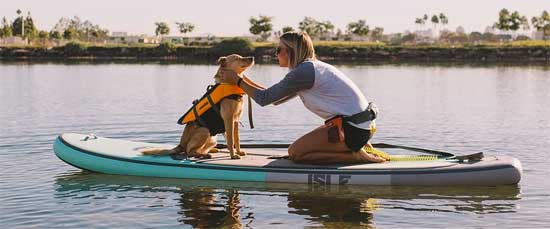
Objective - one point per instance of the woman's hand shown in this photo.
(230, 77)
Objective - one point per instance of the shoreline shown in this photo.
(265, 53)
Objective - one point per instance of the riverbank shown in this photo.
(529, 51)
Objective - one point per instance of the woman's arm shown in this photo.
(294, 81)
(252, 83)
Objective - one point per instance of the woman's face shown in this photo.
(282, 55)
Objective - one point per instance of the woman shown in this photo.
(325, 91)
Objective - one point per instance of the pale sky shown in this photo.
(230, 18)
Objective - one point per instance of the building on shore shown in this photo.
(537, 35)
(124, 38)
(207, 39)
(13, 41)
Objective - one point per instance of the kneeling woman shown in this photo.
(325, 91)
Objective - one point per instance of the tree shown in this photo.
(435, 21)
(338, 34)
(377, 33)
(162, 28)
(513, 21)
(75, 28)
(309, 25)
(24, 27)
(70, 34)
(475, 37)
(56, 35)
(21, 21)
(325, 27)
(443, 19)
(5, 30)
(524, 23)
(43, 35)
(542, 24)
(185, 27)
(408, 38)
(460, 29)
(420, 22)
(98, 33)
(315, 28)
(261, 26)
(287, 29)
(489, 37)
(359, 28)
(503, 20)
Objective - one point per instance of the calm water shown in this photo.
(463, 109)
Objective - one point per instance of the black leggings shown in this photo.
(355, 138)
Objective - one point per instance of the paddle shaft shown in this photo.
(377, 145)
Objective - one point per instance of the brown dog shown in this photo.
(196, 140)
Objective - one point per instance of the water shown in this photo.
(501, 110)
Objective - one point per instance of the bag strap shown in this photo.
(367, 115)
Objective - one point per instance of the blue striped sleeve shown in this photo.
(300, 78)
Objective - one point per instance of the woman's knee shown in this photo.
(293, 151)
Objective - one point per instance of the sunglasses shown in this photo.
(278, 50)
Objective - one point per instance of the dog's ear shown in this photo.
(222, 61)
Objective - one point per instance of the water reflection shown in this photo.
(207, 204)
(204, 208)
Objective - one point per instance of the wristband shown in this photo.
(239, 82)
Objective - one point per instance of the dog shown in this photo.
(196, 140)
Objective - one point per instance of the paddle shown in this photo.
(377, 145)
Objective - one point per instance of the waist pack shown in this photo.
(368, 114)
(335, 124)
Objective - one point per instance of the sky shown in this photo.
(230, 18)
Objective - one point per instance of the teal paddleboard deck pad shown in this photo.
(114, 156)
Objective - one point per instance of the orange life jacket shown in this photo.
(214, 94)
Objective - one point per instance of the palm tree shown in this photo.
(443, 19)
(435, 21)
(419, 21)
(22, 23)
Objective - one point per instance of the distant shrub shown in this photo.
(166, 48)
(74, 48)
(522, 38)
(236, 45)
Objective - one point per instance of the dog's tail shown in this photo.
(158, 151)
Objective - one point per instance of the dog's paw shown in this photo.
(235, 157)
(214, 150)
(241, 153)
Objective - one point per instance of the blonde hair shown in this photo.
(299, 47)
